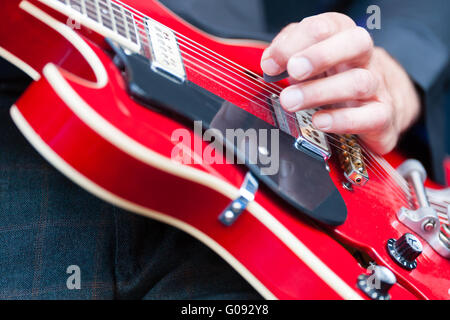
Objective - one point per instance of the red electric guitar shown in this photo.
(157, 117)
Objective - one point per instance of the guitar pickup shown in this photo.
(309, 137)
(300, 125)
(164, 50)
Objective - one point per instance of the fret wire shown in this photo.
(83, 7)
(119, 19)
(104, 14)
(76, 5)
(111, 15)
(131, 26)
(91, 10)
(127, 28)
(97, 6)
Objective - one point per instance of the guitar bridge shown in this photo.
(352, 160)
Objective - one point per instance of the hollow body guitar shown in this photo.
(113, 82)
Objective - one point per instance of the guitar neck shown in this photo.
(102, 16)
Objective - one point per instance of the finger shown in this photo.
(354, 84)
(297, 37)
(372, 118)
(381, 142)
(353, 46)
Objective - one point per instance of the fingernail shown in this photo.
(291, 98)
(322, 121)
(270, 67)
(299, 67)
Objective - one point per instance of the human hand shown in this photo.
(331, 61)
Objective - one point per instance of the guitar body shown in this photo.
(79, 116)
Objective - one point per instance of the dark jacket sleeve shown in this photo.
(417, 34)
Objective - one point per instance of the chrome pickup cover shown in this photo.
(165, 53)
(309, 137)
(301, 127)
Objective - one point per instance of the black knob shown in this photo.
(376, 285)
(405, 250)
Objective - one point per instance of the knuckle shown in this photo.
(364, 83)
(363, 38)
(318, 27)
(285, 32)
(278, 53)
(381, 120)
(323, 59)
(343, 19)
(348, 122)
(290, 26)
(313, 93)
(384, 118)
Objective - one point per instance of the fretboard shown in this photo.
(140, 34)
(103, 16)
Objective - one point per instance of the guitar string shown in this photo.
(443, 207)
(206, 50)
(386, 166)
(395, 191)
(269, 98)
(388, 169)
(376, 172)
(207, 70)
(256, 84)
(223, 66)
(398, 180)
(141, 15)
(263, 101)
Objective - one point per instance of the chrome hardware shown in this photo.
(352, 160)
(425, 220)
(347, 186)
(165, 53)
(438, 198)
(309, 137)
(280, 115)
(237, 206)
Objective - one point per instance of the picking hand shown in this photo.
(331, 61)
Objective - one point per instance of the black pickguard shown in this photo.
(302, 179)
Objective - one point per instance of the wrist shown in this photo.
(404, 94)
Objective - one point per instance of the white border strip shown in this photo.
(116, 137)
(30, 71)
(95, 189)
(130, 146)
(72, 37)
